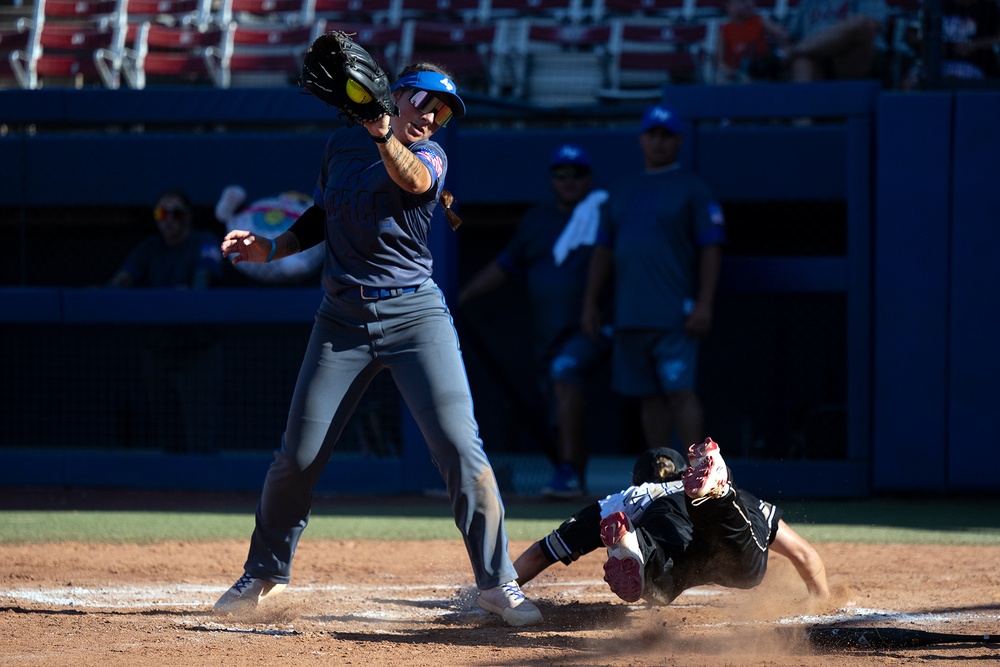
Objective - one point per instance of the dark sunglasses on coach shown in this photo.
(569, 171)
(164, 212)
(425, 102)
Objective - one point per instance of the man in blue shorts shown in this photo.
(551, 249)
(659, 242)
(377, 189)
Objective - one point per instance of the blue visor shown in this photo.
(441, 85)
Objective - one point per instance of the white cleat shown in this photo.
(509, 603)
(243, 597)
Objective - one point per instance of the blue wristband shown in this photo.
(270, 255)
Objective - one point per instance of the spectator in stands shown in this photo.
(552, 248)
(180, 363)
(836, 39)
(970, 36)
(750, 46)
(660, 243)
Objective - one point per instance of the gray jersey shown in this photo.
(376, 234)
(657, 222)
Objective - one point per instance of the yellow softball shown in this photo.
(357, 93)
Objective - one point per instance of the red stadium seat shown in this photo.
(358, 11)
(298, 12)
(15, 38)
(567, 11)
(445, 11)
(645, 56)
(262, 55)
(73, 43)
(180, 54)
(468, 50)
(604, 10)
(559, 64)
(382, 40)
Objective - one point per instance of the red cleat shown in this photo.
(708, 476)
(624, 569)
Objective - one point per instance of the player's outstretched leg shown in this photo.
(509, 603)
(624, 569)
(244, 596)
(708, 476)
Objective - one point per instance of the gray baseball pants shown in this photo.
(411, 335)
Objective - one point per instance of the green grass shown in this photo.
(869, 521)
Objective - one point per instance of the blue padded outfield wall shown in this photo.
(916, 174)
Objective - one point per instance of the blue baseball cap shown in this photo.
(570, 154)
(437, 83)
(660, 115)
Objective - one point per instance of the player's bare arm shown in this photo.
(240, 245)
(405, 169)
(804, 557)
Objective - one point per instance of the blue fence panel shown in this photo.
(974, 362)
(911, 296)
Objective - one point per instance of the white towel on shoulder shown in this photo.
(582, 226)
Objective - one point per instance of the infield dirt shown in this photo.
(412, 604)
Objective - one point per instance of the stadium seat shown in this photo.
(567, 11)
(15, 37)
(558, 64)
(382, 40)
(165, 40)
(358, 11)
(445, 11)
(73, 43)
(702, 10)
(289, 12)
(173, 54)
(645, 56)
(606, 10)
(261, 55)
(169, 12)
(470, 51)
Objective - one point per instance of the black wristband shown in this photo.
(383, 140)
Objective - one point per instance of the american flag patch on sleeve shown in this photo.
(432, 160)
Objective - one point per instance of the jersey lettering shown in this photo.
(355, 203)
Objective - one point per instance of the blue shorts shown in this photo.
(649, 362)
(577, 358)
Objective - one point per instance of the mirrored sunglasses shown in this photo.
(425, 102)
(164, 212)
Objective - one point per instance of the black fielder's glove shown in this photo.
(337, 70)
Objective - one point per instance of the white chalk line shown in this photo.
(194, 596)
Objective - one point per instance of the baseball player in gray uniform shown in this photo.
(378, 186)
